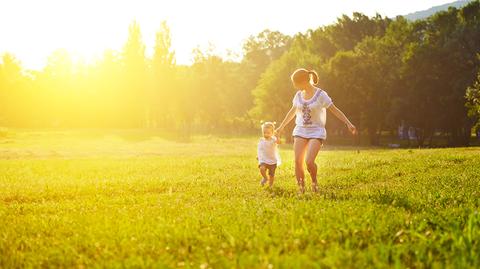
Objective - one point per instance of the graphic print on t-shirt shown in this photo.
(306, 110)
(310, 115)
(307, 118)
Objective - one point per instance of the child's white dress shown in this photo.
(267, 151)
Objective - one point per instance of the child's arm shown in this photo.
(286, 120)
(258, 150)
(277, 140)
(339, 114)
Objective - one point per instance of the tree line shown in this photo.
(383, 72)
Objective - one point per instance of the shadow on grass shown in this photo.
(382, 197)
(280, 192)
(398, 200)
(308, 195)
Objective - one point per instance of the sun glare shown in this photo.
(32, 30)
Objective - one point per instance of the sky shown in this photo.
(33, 29)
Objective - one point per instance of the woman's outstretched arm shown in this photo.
(286, 120)
(339, 114)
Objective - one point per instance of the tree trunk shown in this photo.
(373, 136)
(429, 134)
(374, 131)
(357, 138)
(421, 136)
(466, 135)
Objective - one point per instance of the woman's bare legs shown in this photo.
(300, 147)
(313, 147)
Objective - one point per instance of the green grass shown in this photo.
(131, 199)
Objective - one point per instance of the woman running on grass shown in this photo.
(309, 107)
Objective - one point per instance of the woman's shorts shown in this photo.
(270, 167)
(319, 139)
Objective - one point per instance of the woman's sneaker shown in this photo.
(263, 182)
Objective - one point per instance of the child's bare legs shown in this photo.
(300, 146)
(270, 181)
(264, 168)
(314, 146)
(271, 174)
(263, 172)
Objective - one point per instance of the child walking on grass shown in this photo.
(267, 153)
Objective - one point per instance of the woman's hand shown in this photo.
(278, 131)
(339, 114)
(352, 128)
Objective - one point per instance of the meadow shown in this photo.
(137, 199)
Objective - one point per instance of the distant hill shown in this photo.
(429, 12)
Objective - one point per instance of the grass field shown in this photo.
(132, 199)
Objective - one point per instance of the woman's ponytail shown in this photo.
(303, 75)
(314, 76)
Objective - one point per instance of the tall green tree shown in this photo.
(208, 84)
(135, 98)
(162, 80)
(440, 66)
(348, 31)
(258, 53)
(12, 82)
(473, 101)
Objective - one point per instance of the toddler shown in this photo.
(267, 154)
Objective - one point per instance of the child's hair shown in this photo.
(303, 75)
(268, 124)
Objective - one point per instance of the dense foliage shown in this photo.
(382, 72)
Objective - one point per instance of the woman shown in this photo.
(309, 107)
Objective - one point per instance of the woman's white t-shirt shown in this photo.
(268, 151)
(311, 114)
